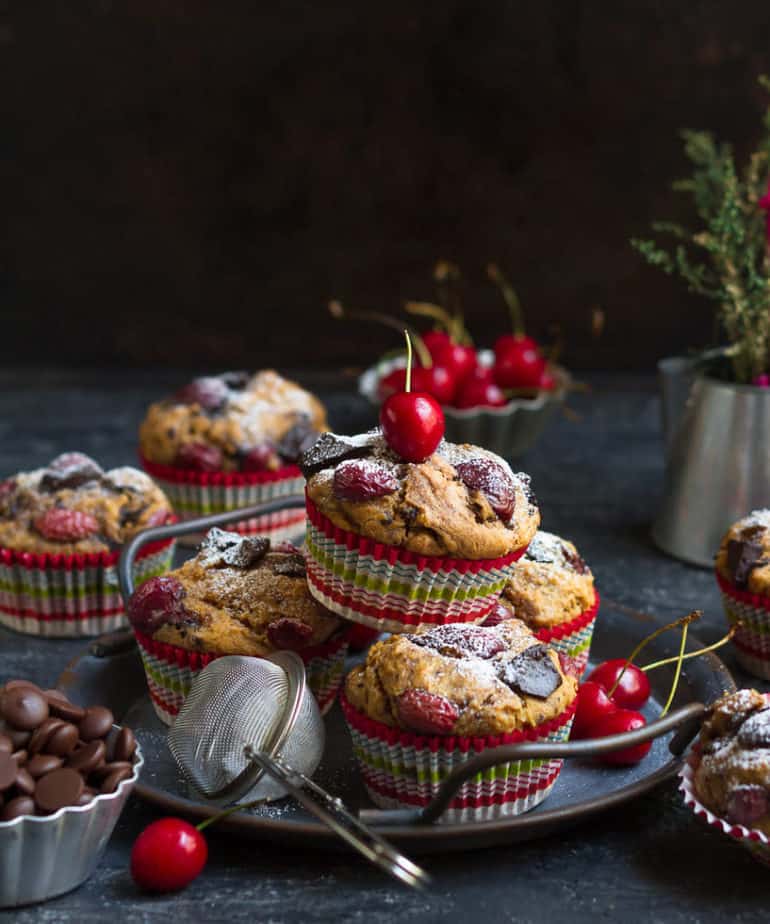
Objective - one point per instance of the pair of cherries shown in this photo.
(607, 704)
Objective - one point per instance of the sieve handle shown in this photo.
(687, 719)
(332, 812)
(198, 525)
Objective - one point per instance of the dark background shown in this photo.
(187, 183)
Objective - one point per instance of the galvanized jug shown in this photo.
(717, 438)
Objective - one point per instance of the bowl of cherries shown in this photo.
(500, 398)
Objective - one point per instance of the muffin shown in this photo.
(61, 532)
(229, 441)
(743, 574)
(727, 776)
(551, 589)
(239, 595)
(393, 544)
(423, 703)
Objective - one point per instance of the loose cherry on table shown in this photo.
(617, 722)
(168, 855)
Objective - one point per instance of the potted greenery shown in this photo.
(718, 438)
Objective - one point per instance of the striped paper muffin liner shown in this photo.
(70, 596)
(392, 589)
(572, 639)
(171, 669)
(402, 769)
(755, 841)
(751, 614)
(199, 494)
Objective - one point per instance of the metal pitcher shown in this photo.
(717, 438)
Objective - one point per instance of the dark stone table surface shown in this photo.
(598, 478)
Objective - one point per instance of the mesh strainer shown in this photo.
(250, 727)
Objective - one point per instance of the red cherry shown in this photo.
(593, 707)
(622, 720)
(509, 342)
(168, 855)
(199, 457)
(262, 458)
(476, 393)
(437, 381)
(458, 359)
(413, 424)
(632, 692)
(547, 380)
(481, 373)
(435, 341)
(391, 383)
(360, 636)
(519, 367)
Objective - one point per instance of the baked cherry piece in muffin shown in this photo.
(232, 422)
(461, 502)
(72, 506)
(732, 776)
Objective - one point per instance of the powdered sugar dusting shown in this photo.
(757, 518)
(128, 478)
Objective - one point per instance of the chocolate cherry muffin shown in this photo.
(743, 573)
(240, 595)
(232, 440)
(552, 590)
(393, 544)
(62, 528)
(424, 702)
(726, 778)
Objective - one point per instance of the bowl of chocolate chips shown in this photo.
(65, 774)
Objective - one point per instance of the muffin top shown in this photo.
(550, 583)
(733, 775)
(232, 422)
(237, 596)
(743, 558)
(462, 502)
(74, 507)
(461, 679)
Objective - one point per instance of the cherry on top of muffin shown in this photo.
(744, 553)
(74, 506)
(232, 422)
(461, 679)
(733, 774)
(238, 595)
(462, 500)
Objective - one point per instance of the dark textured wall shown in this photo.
(188, 182)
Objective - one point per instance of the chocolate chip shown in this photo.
(21, 805)
(111, 782)
(457, 641)
(296, 440)
(60, 706)
(329, 450)
(292, 565)
(755, 731)
(97, 723)
(742, 558)
(70, 470)
(24, 707)
(8, 771)
(57, 789)
(6, 745)
(42, 733)
(62, 740)
(125, 745)
(532, 673)
(18, 737)
(220, 547)
(575, 561)
(20, 757)
(41, 764)
(87, 758)
(113, 766)
(237, 380)
(86, 796)
(24, 782)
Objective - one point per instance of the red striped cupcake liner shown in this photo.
(199, 494)
(402, 769)
(572, 639)
(71, 596)
(755, 841)
(751, 614)
(171, 669)
(393, 589)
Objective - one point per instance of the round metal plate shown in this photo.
(583, 788)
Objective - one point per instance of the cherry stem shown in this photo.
(225, 812)
(682, 621)
(510, 297)
(336, 310)
(408, 383)
(692, 654)
(677, 672)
